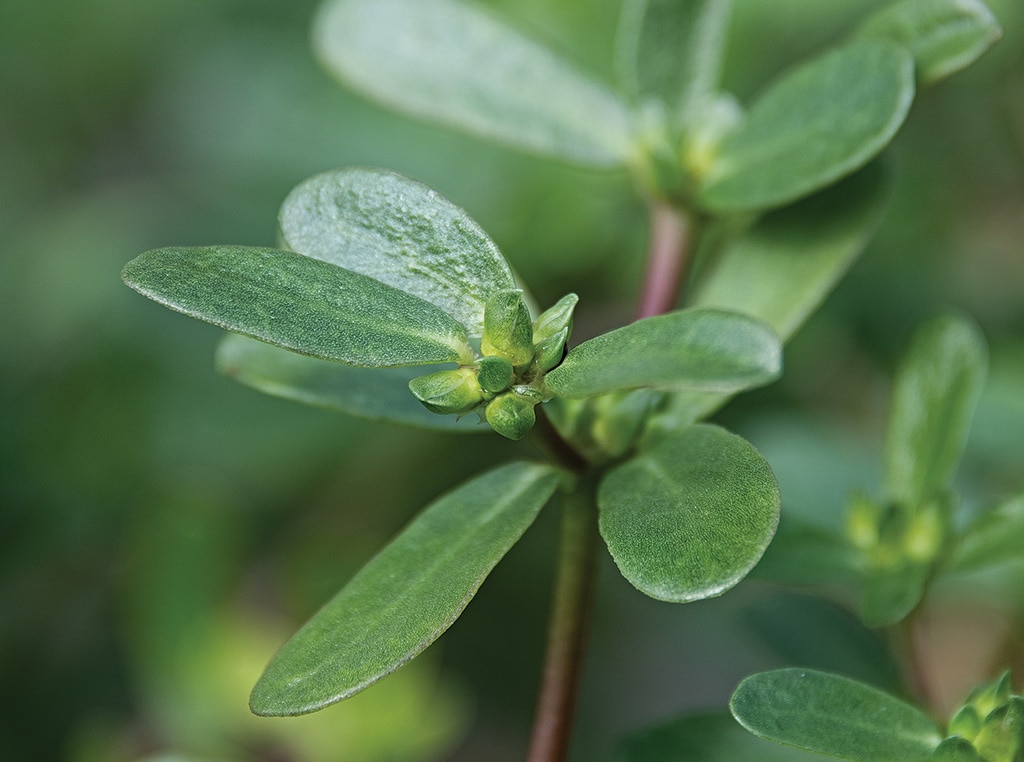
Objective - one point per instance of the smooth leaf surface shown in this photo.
(892, 592)
(995, 537)
(688, 517)
(408, 594)
(833, 715)
(703, 349)
(706, 738)
(450, 62)
(818, 124)
(944, 36)
(379, 394)
(399, 232)
(956, 749)
(937, 388)
(299, 303)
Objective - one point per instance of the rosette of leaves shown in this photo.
(390, 302)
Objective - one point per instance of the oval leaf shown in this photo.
(708, 350)
(833, 715)
(936, 390)
(379, 394)
(944, 36)
(816, 125)
(995, 537)
(299, 303)
(449, 62)
(401, 233)
(408, 594)
(689, 517)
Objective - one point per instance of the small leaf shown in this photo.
(446, 392)
(380, 394)
(821, 122)
(299, 303)
(408, 594)
(512, 414)
(833, 715)
(450, 62)
(996, 537)
(1002, 733)
(555, 319)
(936, 390)
(955, 749)
(687, 518)
(706, 738)
(892, 592)
(944, 36)
(401, 233)
(508, 328)
(701, 349)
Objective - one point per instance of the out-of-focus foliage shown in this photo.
(163, 528)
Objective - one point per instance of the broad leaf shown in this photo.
(407, 595)
(401, 233)
(299, 303)
(833, 715)
(936, 390)
(380, 394)
(709, 350)
(995, 537)
(944, 36)
(687, 518)
(672, 49)
(818, 124)
(706, 738)
(451, 62)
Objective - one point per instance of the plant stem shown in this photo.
(668, 258)
(550, 442)
(574, 582)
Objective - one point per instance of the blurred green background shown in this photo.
(162, 529)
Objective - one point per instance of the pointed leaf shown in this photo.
(407, 595)
(401, 233)
(450, 62)
(955, 749)
(701, 349)
(833, 715)
(936, 390)
(944, 36)
(379, 394)
(821, 122)
(299, 303)
(687, 518)
(996, 537)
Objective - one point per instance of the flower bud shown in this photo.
(508, 331)
(495, 374)
(555, 320)
(448, 391)
(551, 351)
(511, 414)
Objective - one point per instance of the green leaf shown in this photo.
(803, 554)
(508, 328)
(408, 594)
(450, 62)
(401, 233)
(936, 390)
(833, 715)
(299, 303)
(705, 738)
(673, 50)
(688, 517)
(996, 537)
(892, 592)
(955, 749)
(944, 36)
(701, 349)
(818, 124)
(380, 394)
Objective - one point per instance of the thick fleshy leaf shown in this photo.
(945, 36)
(833, 715)
(688, 517)
(892, 592)
(408, 594)
(451, 62)
(706, 738)
(955, 749)
(936, 390)
(710, 350)
(380, 394)
(401, 233)
(996, 537)
(818, 124)
(299, 303)
(672, 49)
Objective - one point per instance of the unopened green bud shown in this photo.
(925, 534)
(495, 374)
(1001, 738)
(508, 331)
(862, 518)
(985, 698)
(511, 414)
(448, 391)
(551, 351)
(556, 319)
(965, 723)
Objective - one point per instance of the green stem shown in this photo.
(574, 582)
(668, 258)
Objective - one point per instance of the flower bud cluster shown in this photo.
(992, 720)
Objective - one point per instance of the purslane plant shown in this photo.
(385, 300)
